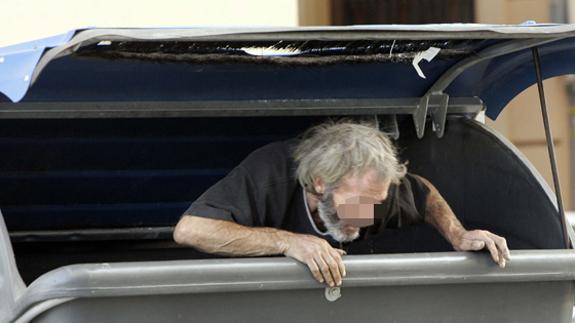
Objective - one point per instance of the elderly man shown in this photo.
(304, 198)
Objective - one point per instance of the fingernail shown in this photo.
(344, 273)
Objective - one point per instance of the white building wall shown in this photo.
(22, 20)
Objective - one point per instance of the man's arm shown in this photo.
(232, 239)
(440, 215)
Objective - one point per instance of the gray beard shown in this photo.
(328, 214)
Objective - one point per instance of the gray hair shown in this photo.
(333, 150)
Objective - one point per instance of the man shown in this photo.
(305, 198)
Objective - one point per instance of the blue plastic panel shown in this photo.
(17, 63)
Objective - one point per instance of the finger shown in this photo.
(333, 267)
(324, 269)
(313, 267)
(492, 249)
(340, 251)
(337, 256)
(503, 250)
(502, 246)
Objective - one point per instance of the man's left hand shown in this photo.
(479, 239)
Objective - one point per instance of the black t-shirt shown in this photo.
(262, 191)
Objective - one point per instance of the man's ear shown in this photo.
(318, 185)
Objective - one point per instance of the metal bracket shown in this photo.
(332, 294)
(439, 114)
(420, 115)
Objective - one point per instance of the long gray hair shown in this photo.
(332, 150)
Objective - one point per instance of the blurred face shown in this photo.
(350, 206)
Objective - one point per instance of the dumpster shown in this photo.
(107, 136)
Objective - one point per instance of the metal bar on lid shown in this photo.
(231, 108)
(550, 145)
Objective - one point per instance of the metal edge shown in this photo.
(282, 273)
(140, 233)
(40, 308)
(40, 110)
(12, 286)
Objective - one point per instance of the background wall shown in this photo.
(22, 20)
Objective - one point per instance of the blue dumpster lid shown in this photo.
(490, 62)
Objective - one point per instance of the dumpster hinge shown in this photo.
(439, 113)
(420, 115)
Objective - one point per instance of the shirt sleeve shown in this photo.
(230, 199)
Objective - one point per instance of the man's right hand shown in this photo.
(324, 261)
(231, 239)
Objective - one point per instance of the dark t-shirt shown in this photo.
(262, 191)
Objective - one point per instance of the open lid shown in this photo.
(427, 64)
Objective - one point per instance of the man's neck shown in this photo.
(312, 203)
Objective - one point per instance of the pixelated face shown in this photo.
(356, 197)
(352, 205)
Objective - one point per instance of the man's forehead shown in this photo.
(366, 187)
(370, 196)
